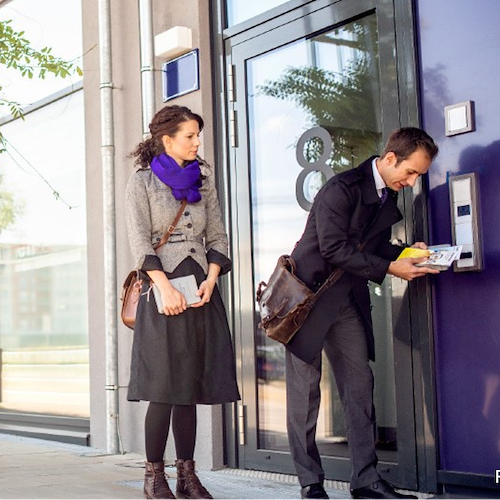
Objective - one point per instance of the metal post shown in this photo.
(147, 64)
(1, 361)
(109, 222)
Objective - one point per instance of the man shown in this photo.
(353, 207)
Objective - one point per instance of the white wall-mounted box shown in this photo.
(173, 42)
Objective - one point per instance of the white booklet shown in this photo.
(185, 284)
(442, 256)
(439, 257)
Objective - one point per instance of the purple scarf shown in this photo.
(184, 181)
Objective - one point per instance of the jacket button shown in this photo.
(190, 225)
(192, 250)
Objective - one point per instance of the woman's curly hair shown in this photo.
(166, 122)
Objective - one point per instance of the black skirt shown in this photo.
(184, 359)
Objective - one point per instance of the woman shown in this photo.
(183, 357)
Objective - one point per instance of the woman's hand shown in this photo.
(173, 301)
(207, 287)
(205, 291)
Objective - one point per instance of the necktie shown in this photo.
(385, 194)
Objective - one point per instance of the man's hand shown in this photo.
(419, 244)
(407, 270)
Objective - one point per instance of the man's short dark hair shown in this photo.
(405, 141)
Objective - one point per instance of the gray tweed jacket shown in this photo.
(150, 208)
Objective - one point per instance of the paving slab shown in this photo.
(34, 468)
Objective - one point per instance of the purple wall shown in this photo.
(460, 61)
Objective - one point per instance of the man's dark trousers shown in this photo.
(346, 349)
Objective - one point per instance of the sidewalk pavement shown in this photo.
(33, 468)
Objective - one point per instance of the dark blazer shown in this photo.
(345, 212)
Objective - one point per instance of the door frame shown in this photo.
(416, 392)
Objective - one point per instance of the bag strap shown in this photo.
(171, 228)
(333, 278)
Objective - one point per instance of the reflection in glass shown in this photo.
(238, 11)
(312, 184)
(329, 81)
(43, 29)
(43, 268)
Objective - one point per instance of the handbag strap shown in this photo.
(333, 278)
(171, 228)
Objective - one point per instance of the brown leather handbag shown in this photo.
(286, 301)
(132, 286)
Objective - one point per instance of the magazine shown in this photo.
(185, 284)
(439, 257)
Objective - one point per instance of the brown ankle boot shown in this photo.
(155, 482)
(188, 483)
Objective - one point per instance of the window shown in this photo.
(238, 11)
(43, 247)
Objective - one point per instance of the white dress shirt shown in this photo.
(379, 182)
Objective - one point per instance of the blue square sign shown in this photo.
(181, 75)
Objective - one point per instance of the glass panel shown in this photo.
(43, 269)
(238, 11)
(43, 29)
(314, 110)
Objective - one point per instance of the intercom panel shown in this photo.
(465, 221)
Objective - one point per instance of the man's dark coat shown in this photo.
(346, 211)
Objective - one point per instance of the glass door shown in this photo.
(313, 97)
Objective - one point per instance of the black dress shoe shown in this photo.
(378, 489)
(315, 490)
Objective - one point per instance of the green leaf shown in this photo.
(16, 52)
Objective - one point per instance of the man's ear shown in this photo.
(391, 159)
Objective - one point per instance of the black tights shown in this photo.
(157, 425)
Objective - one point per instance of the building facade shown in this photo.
(292, 92)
